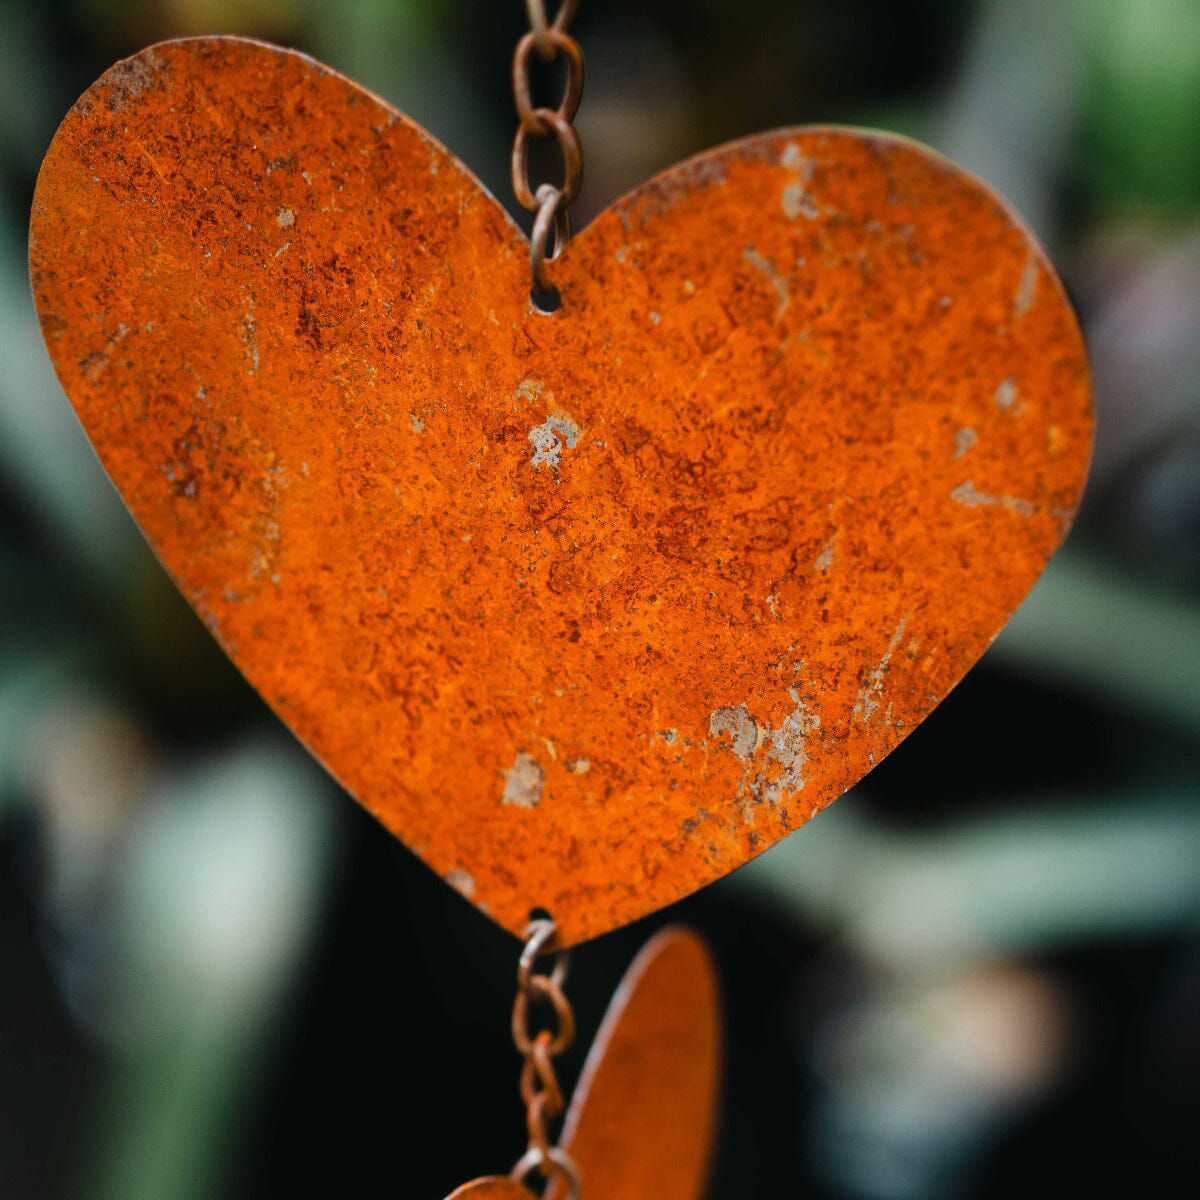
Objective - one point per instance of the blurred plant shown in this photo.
(215, 894)
(1140, 148)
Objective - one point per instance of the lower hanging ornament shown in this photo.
(641, 1121)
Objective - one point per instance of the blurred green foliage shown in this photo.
(1140, 147)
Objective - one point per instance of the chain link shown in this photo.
(550, 40)
(540, 1089)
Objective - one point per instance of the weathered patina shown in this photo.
(588, 608)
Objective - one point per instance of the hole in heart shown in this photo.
(540, 914)
(545, 302)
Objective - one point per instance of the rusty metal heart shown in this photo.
(588, 608)
(641, 1121)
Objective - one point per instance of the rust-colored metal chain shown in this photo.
(540, 1089)
(549, 202)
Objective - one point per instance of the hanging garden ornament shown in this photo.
(589, 607)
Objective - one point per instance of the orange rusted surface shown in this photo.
(494, 1188)
(641, 1121)
(588, 608)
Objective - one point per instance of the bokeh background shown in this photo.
(979, 973)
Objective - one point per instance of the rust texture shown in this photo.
(641, 1122)
(588, 608)
(495, 1188)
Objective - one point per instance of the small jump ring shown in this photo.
(540, 934)
(551, 215)
(554, 1161)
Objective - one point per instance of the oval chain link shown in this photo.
(540, 1089)
(568, 106)
(549, 202)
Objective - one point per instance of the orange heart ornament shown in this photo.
(642, 1118)
(591, 607)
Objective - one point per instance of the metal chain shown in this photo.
(540, 1089)
(549, 40)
